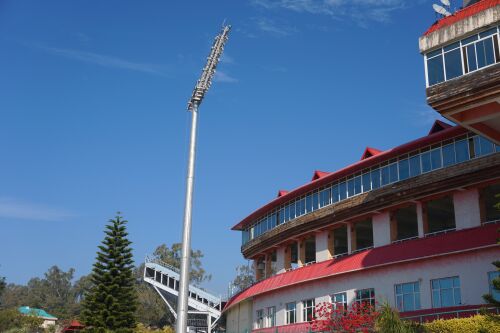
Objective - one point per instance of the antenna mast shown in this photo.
(202, 86)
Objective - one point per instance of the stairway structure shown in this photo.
(205, 308)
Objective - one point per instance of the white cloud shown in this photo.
(376, 10)
(103, 60)
(272, 27)
(220, 76)
(16, 209)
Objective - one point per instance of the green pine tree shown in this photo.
(110, 304)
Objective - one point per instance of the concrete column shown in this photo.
(280, 259)
(381, 229)
(322, 251)
(331, 243)
(258, 275)
(467, 210)
(350, 237)
(301, 249)
(420, 219)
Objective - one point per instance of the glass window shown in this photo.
(308, 310)
(292, 211)
(489, 201)
(271, 316)
(274, 219)
(435, 70)
(366, 182)
(485, 55)
(384, 171)
(364, 234)
(404, 169)
(260, 319)
(415, 166)
(357, 185)
(315, 200)
(281, 216)
(440, 214)
(335, 193)
(471, 57)
(309, 203)
(436, 162)
(375, 175)
(406, 222)
(393, 172)
(340, 240)
(485, 145)
(488, 32)
(287, 213)
(324, 197)
(350, 187)
(448, 155)
(365, 296)
(426, 161)
(494, 292)
(342, 191)
(339, 301)
(407, 296)
(291, 313)
(302, 203)
(446, 292)
(453, 64)
(461, 150)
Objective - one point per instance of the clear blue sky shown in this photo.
(92, 115)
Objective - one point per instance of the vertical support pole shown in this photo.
(182, 306)
(209, 321)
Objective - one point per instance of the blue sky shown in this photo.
(92, 115)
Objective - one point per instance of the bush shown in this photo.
(475, 324)
(140, 328)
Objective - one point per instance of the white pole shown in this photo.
(182, 307)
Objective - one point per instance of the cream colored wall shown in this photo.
(466, 204)
(239, 318)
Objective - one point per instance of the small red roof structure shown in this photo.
(282, 193)
(319, 174)
(73, 326)
(462, 14)
(438, 126)
(369, 152)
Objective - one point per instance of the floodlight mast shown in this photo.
(202, 86)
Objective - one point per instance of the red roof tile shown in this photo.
(319, 174)
(462, 14)
(369, 152)
(411, 250)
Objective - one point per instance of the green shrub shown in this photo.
(475, 324)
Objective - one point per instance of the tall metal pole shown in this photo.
(182, 308)
(197, 96)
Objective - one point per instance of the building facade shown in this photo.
(415, 225)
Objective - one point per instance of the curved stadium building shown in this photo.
(415, 225)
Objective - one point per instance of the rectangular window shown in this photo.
(426, 161)
(357, 185)
(446, 292)
(407, 296)
(415, 169)
(375, 175)
(494, 292)
(461, 151)
(302, 206)
(342, 191)
(308, 310)
(453, 63)
(404, 169)
(385, 175)
(287, 213)
(406, 222)
(309, 203)
(315, 200)
(366, 180)
(291, 317)
(485, 52)
(365, 296)
(281, 216)
(340, 240)
(448, 155)
(260, 319)
(435, 70)
(291, 216)
(339, 301)
(271, 316)
(471, 57)
(489, 201)
(324, 197)
(440, 214)
(364, 234)
(393, 172)
(350, 187)
(335, 194)
(436, 161)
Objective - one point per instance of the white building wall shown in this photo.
(472, 268)
(466, 205)
(322, 252)
(280, 260)
(381, 229)
(239, 318)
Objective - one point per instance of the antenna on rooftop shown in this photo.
(440, 9)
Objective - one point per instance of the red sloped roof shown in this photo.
(462, 14)
(355, 167)
(369, 152)
(319, 174)
(380, 256)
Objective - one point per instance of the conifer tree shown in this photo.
(111, 302)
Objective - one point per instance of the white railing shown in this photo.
(154, 260)
(403, 239)
(440, 232)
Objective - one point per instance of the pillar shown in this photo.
(301, 249)
(421, 219)
(322, 247)
(467, 210)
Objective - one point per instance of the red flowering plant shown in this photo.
(357, 318)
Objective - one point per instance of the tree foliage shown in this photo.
(245, 277)
(111, 302)
(172, 256)
(12, 321)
